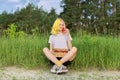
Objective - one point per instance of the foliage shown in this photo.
(93, 52)
(28, 19)
(93, 16)
(21, 34)
(12, 33)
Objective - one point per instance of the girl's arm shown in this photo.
(51, 48)
(69, 40)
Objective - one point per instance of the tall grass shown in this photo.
(93, 52)
(97, 52)
(26, 52)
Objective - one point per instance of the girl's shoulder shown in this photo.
(51, 36)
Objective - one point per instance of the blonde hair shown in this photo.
(55, 27)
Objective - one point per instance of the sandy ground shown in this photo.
(15, 73)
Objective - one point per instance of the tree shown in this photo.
(5, 19)
(91, 15)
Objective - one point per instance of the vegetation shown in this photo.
(94, 25)
(97, 52)
(92, 16)
(93, 52)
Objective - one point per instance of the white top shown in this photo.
(59, 41)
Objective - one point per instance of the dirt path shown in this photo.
(14, 73)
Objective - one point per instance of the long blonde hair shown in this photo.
(56, 27)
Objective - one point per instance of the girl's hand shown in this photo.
(51, 51)
(64, 30)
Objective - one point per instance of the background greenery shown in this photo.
(93, 52)
(92, 16)
(94, 26)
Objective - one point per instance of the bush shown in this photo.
(12, 33)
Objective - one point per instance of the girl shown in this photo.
(61, 49)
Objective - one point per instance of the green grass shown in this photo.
(97, 52)
(26, 52)
(93, 52)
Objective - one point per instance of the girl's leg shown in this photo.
(49, 55)
(69, 56)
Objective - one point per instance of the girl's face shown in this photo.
(62, 25)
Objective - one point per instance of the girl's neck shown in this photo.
(60, 32)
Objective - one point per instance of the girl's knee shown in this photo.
(74, 48)
(45, 49)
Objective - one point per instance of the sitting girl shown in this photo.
(61, 49)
